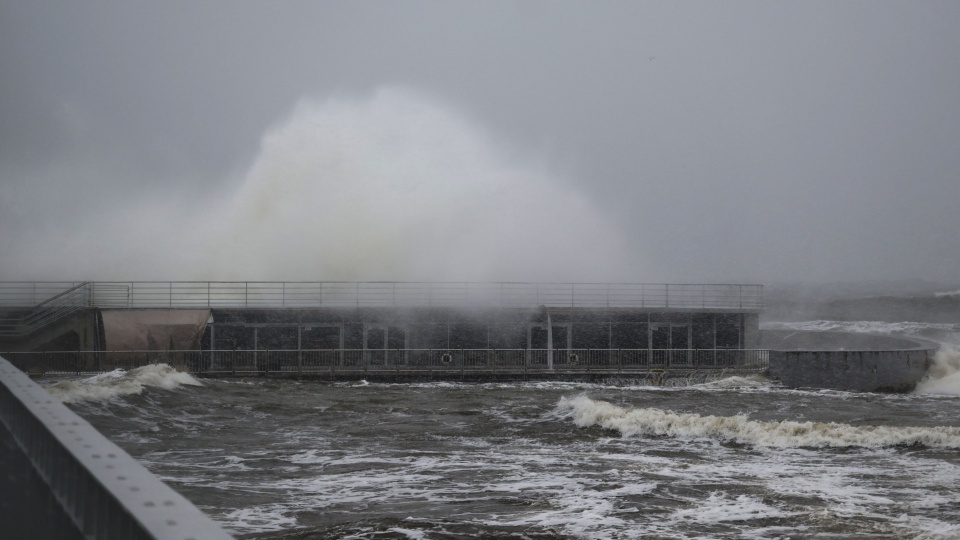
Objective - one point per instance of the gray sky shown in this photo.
(642, 141)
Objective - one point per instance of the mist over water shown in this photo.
(390, 186)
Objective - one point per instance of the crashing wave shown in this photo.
(943, 376)
(869, 327)
(587, 412)
(119, 383)
(948, 294)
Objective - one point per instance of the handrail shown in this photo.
(48, 311)
(528, 295)
(100, 490)
(54, 298)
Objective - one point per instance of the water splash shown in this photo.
(943, 377)
(399, 187)
(119, 383)
(394, 185)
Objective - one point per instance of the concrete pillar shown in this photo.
(751, 331)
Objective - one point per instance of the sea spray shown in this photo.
(586, 412)
(119, 383)
(943, 376)
(392, 184)
(399, 186)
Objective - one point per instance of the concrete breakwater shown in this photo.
(865, 371)
(846, 361)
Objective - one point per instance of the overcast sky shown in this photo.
(639, 141)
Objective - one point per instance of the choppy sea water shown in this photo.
(739, 457)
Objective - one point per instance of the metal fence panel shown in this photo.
(355, 361)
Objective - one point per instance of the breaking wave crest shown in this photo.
(587, 412)
(947, 294)
(119, 383)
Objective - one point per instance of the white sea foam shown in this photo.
(119, 383)
(587, 412)
(753, 381)
(720, 507)
(413, 534)
(267, 518)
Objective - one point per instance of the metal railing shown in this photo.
(359, 361)
(95, 490)
(273, 294)
(75, 298)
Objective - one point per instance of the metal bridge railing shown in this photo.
(274, 294)
(95, 490)
(356, 361)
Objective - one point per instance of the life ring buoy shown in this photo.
(446, 358)
(573, 358)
